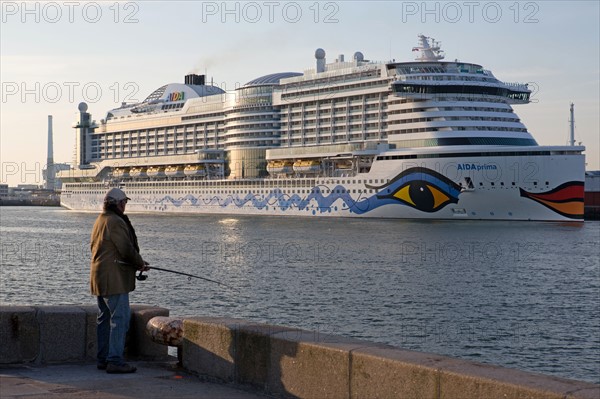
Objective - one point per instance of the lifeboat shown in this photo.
(174, 171)
(120, 173)
(344, 164)
(280, 167)
(194, 170)
(307, 166)
(156, 171)
(138, 172)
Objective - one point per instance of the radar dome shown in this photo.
(320, 54)
(83, 107)
(358, 56)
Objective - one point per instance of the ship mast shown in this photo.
(428, 51)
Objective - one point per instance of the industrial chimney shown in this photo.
(572, 125)
(50, 173)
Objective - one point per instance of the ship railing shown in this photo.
(519, 86)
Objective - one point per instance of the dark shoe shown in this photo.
(120, 368)
(101, 366)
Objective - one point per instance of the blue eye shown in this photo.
(422, 189)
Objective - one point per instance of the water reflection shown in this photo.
(517, 294)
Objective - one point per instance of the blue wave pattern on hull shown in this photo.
(279, 200)
(415, 182)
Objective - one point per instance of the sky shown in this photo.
(54, 55)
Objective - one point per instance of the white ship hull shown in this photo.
(424, 139)
(544, 188)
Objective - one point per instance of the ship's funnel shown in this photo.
(193, 79)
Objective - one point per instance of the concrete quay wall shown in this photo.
(59, 334)
(280, 361)
(286, 362)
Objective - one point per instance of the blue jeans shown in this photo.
(112, 326)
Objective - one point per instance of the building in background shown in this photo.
(56, 168)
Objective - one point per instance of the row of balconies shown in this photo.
(297, 141)
(325, 122)
(312, 114)
(450, 114)
(328, 130)
(489, 125)
(310, 127)
(232, 136)
(149, 144)
(355, 122)
(125, 148)
(328, 102)
(253, 123)
(247, 131)
(252, 142)
(339, 107)
(430, 129)
(253, 133)
(398, 120)
(327, 90)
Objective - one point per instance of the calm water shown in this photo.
(522, 295)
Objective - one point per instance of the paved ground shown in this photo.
(152, 380)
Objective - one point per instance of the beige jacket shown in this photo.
(111, 241)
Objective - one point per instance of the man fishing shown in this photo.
(115, 259)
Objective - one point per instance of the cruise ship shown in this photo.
(425, 139)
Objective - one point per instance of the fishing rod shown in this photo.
(142, 277)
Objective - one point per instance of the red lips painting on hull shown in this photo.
(566, 199)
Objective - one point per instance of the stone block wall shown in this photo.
(293, 363)
(58, 334)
